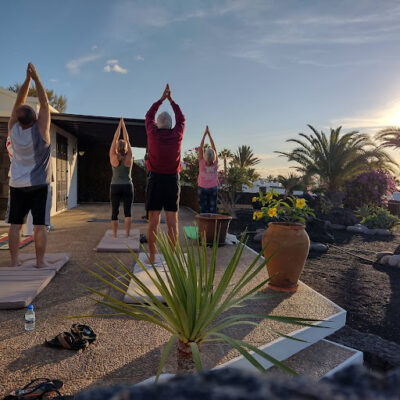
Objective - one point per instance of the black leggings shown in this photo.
(118, 193)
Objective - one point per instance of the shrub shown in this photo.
(380, 219)
(369, 188)
(190, 170)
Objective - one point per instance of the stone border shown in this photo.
(358, 228)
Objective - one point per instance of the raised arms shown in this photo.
(128, 158)
(179, 117)
(150, 121)
(201, 148)
(21, 98)
(113, 152)
(212, 143)
(44, 111)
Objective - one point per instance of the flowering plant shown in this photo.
(371, 188)
(190, 170)
(291, 209)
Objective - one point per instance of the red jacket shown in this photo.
(164, 145)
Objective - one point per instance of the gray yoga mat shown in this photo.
(120, 244)
(20, 285)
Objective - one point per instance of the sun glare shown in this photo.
(393, 117)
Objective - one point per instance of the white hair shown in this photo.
(209, 156)
(164, 121)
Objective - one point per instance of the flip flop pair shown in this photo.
(79, 338)
(41, 388)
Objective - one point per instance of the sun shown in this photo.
(393, 116)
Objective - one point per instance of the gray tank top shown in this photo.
(121, 174)
(30, 157)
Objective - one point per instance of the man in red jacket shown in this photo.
(164, 164)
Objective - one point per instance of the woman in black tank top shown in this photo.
(121, 188)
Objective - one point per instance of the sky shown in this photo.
(256, 72)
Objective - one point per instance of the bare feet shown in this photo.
(16, 264)
(43, 264)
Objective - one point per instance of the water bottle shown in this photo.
(30, 318)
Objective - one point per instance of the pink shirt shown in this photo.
(208, 175)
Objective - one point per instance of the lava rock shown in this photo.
(394, 261)
(318, 247)
(342, 216)
(383, 232)
(319, 231)
(338, 227)
(384, 260)
(355, 229)
(354, 382)
(382, 254)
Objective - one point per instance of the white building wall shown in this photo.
(72, 175)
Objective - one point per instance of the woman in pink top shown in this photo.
(208, 176)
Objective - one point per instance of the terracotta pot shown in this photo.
(289, 245)
(213, 224)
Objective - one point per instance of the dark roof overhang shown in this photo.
(98, 130)
(93, 130)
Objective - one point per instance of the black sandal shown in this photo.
(83, 332)
(37, 389)
(66, 340)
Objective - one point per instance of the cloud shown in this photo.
(266, 156)
(74, 66)
(119, 69)
(112, 65)
(139, 58)
(388, 14)
(372, 120)
(336, 64)
(53, 80)
(272, 34)
(94, 47)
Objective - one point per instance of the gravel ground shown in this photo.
(368, 291)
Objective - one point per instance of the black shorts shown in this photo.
(162, 192)
(36, 199)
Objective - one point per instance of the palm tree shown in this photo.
(225, 154)
(291, 182)
(337, 157)
(244, 157)
(270, 178)
(390, 137)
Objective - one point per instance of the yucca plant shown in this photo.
(196, 304)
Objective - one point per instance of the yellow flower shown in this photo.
(269, 196)
(257, 215)
(272, 212)
(254, 199)
(300, 203)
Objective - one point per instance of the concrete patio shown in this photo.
(125, 352)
